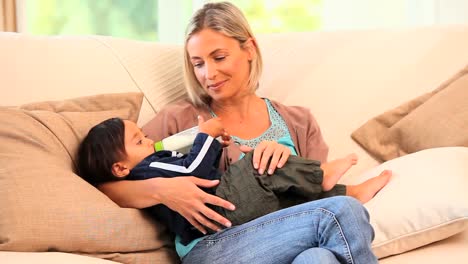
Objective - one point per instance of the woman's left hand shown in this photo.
(266, 151)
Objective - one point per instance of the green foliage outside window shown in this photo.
(137, 19)
(281, 15)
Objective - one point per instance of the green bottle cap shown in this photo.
(158, 146)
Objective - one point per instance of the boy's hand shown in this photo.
(226, 139)
(214, 128)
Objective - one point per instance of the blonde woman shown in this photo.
(223, 64)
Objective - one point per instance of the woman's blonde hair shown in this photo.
(227, 19)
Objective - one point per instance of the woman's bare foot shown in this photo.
(368, 189)
(333, 170)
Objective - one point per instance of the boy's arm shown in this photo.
(201, 161)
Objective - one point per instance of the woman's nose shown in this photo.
(210, 71)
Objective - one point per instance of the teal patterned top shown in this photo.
(278, 131)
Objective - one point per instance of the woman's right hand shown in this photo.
(268, 151)
(183, 195)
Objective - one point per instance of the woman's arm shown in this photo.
(180, 194)
(132, 194)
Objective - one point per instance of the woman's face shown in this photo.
(221, 66)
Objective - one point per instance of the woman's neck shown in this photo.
(238, 108)
(246, 118)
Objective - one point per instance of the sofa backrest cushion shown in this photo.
(435, 119)
(46, 206)
(38, 68)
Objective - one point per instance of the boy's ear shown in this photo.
(119, 169)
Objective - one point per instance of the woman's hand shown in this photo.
(182, 195)
(266, 151)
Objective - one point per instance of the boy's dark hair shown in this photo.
(103, 146)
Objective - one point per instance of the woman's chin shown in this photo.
(216, 96)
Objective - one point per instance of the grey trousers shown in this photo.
(255, 195)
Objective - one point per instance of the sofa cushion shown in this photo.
(435, 119)
(46, 206)
(425, 201)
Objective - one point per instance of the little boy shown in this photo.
(117, 149)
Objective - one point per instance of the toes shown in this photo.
(353, 157)
(386, 173)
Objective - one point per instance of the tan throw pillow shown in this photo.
(47, 207)
(424, 202)
(436, 119)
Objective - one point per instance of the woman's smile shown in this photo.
(216, 86)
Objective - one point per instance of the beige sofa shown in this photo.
(345, 77)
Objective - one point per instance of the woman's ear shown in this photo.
(249, 46)
(119, 169)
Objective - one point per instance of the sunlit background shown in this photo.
(165, 20)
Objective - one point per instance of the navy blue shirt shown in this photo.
(202, 161)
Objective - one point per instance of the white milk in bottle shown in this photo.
(180, 142)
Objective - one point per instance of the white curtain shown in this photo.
(366, 14)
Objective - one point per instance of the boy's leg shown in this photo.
(240, 186)
(299, 177)
(303, 178)
(299, 181)
(369, 188)
(333, 170)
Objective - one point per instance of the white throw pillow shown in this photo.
(425, 201)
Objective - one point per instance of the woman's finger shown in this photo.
(203, 182)
(275, 160)
(258, 153)
(266, 156)
(208, 212)
(202, 219)
(284, 157)
(280, 157)
(195, 223)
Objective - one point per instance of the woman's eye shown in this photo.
(220, 58)
(197, 65)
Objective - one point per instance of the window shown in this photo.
(121, 18)
(165, 20)
(267, 16)
(160, 20)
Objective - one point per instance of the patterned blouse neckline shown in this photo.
(278, 128)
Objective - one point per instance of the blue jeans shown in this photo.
(331, 230)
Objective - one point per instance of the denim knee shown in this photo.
(315, 255)
(346, 204)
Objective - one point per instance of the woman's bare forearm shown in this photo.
(181, 194)
(133, 194)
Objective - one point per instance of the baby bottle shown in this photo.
(180, 142)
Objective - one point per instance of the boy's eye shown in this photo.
(219, 58)
(139, 142)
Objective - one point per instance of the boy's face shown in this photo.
(137, 145)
